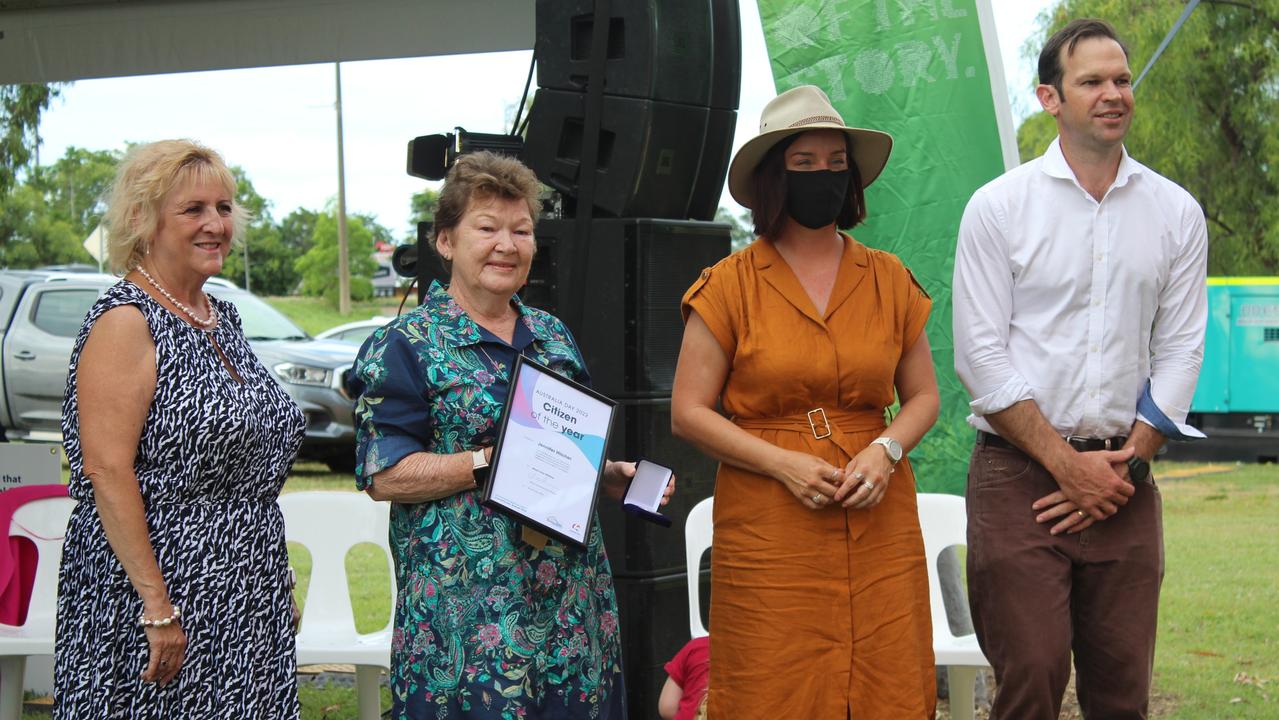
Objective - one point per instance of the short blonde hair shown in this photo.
(144, 180)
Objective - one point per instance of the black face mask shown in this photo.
(815, 197)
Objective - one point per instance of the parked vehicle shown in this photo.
(41, 314)
(1236, 402)
(385, 281)
(356, 332)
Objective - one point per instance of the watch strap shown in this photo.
(479, 468)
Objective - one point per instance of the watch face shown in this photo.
(895, 450)
(893, 447)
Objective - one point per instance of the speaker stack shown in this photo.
(636, 135)
(672, 79)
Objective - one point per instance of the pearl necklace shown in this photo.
(206, 325)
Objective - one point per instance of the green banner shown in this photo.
(917, 69)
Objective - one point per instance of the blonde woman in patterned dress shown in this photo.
(174, 595)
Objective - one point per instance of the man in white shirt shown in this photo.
(1079, 313)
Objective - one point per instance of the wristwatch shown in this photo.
(891, 446)
(479, 468)
(1138, 469)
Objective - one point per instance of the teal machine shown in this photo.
(1237, 400)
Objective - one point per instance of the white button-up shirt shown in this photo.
(1075, 303)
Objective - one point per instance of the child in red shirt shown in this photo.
(685, 689)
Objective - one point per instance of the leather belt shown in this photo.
(1081, 444)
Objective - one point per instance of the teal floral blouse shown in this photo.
(486, 626)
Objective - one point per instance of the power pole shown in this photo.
(344, 265)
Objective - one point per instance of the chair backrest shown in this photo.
(697, 540)
(329, 524)
(943, 520)
(44, 523)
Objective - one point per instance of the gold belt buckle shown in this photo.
(813, 425)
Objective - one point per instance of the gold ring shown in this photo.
(1082, 514)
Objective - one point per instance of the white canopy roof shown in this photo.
(45, 41)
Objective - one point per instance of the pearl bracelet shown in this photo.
(162, 622)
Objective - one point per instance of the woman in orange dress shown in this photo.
(819, 591)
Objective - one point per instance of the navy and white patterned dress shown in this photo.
(212, 458)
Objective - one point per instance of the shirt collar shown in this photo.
(458, 329)
(766, 254)
(1055, 165)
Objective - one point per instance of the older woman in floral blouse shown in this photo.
(488, 625)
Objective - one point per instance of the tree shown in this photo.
(381, 234)
(20, 108)
(742, 227)
(296, 230)
(1207, 115)
(75, 187)
(422, 207)
(44, 220)
(319, 266)
(271, 260)
(33, 235)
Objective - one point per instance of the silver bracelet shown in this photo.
(162, 622)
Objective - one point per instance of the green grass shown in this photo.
(1218, 649)
(315, 315)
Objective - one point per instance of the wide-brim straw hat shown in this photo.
(799, 110)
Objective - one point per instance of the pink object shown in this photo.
(18, 555)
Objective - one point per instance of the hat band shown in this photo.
(816, 119)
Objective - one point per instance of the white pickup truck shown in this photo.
(40, 316)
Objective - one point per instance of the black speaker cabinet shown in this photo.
(680, 51)
(628, 299)
(651, 155)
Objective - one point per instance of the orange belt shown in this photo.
(825, 425)
(822, 425)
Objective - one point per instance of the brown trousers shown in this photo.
(1036, 598)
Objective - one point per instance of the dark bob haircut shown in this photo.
(769, 213)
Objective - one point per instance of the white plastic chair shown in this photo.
(329, 524)
(944, 522)
(43, 522)
(697, 540)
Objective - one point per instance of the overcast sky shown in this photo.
(279, 125)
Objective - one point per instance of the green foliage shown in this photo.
(45, 219)
(75, 187)
(296, 230)
(319, 266)
(421, 209)
(742, 227)
(32, 235)
(270, 260)
(1207, 115)
(20, 108)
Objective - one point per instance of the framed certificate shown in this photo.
(550, 452)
